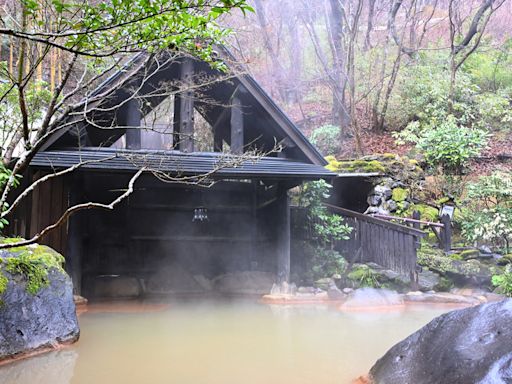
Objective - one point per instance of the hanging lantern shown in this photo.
(200, 214)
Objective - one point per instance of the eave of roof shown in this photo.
(179, 163)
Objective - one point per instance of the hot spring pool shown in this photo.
(221, 342)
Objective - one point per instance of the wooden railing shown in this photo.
(388, 244)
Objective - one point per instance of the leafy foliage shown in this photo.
(324, 229)
(450, 146)
(104, 28)
(488, 213)
(327, 139)
(504, 281)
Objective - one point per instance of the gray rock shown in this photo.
(347, 290)
(471, 345)
(428, 280)
(374, 200)
(306, 290)
(173, 278)
(383, 190)
(371, 297)
(116, 286)
(29, 322)
(440, 298)
(333, 293)
(324, 283)
(485, 249)
(245, 282)
(391, 205)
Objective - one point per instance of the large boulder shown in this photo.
(471, 345)
(372, 298)
(245, 282)
(36, 301)
(174, 279)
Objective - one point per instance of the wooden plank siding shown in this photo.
(49, 201)
(390, 245)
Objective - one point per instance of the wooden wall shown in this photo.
(49, 201)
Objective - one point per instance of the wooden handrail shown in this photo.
(407, 220)
(374, 220)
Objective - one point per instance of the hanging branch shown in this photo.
(76, 208)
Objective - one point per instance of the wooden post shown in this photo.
(176, 123)
(416, 216)
(283, 236)
(447, 233)
(217, 140)
(237, 126)
(133, 117)
(187, 107)
(74, 246)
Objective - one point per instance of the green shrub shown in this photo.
(504, 281)
(327, 139)
(487, 216)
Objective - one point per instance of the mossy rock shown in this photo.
(470, 254)
(427, 212)
(505, 260)
(399, 194)
(455, 256)
(30, 263)
(444, 285)
(361, 275)
(471, 272)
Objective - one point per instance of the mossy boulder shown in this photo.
(362, 275)
(37, 309)
(399, 194)
(401, 168)
(468, 254)
(505, 260)
(427, 212)
(460, 272)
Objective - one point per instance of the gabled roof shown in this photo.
(265, 124)
(182, 164)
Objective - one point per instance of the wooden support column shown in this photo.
(283, 236)
(237, 126)
(447, 233)
(217, 140)
(133, 118)
(186, 129)
(176, 123)
(74, 246)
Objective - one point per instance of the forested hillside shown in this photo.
(387, 76)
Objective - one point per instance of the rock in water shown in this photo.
(371, 298)
(37, 309)
(471, 345)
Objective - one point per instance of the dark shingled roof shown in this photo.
(179, 163)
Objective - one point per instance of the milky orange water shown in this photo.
(222, 342)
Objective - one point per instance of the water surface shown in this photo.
(222, 342)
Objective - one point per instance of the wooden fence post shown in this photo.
(447, 233)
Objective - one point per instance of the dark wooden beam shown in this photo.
(74, 246)
(176, 122)
(218, 140)
(282, 216)
(187, 107)
(237, 126)
(133, 118)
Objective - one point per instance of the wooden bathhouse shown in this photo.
(219, 159)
